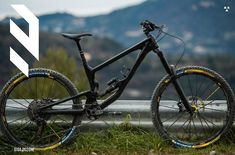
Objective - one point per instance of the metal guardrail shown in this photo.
(137, 112)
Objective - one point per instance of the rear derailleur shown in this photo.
(93, 111)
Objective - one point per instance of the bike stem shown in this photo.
(171, 71)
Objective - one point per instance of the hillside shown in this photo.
(203, 24)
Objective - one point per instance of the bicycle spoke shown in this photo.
(207, 120)
(208, 103)
(37, 134)
(43, 85)
(196, 84)
(50, 135)
(17, 119)
(184, 123)
(24, 90)
(52, 85)
(214, 109)
(54, 131)
(174, 93)
(167, 98)
(212, 93)
(201, 123)
(30, 88)
(168, 107)
(204, 90)
(175, 121)
(56, 95)
(18, 103)
(194, 125)
(189, 126)
(170, 118)
(208, 91)
(16, 113)
(23, 126)
(19, 97)
(207, 123)
(62, 119)
(189, 83)
(16, 107)
(199, 88)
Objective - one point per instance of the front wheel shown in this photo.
(211, 99)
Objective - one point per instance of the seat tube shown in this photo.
(82, 54)
(88, 70)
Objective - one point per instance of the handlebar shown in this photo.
(148, 26)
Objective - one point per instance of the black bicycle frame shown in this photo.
(145, 46)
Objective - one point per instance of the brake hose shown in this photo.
(173, 36)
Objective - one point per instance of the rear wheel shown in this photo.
(211, 99)
(20, 121)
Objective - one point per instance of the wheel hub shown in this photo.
(34, 113)
(196, 103)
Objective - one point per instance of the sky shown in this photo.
(77, 7)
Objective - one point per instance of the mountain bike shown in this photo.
(191, 106)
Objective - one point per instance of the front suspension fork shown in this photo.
(180, 91)
(171, 71)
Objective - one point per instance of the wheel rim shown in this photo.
(26, 131)
(205, 96)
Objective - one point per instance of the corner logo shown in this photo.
(31, 42)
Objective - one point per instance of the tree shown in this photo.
(57, 59)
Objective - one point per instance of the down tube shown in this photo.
(124, 82)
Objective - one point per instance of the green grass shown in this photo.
(126, 139)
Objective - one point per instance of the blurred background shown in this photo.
(207, 28)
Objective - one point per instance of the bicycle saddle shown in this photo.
(75, 36)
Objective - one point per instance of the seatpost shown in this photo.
(81, 53)
(78, 45)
